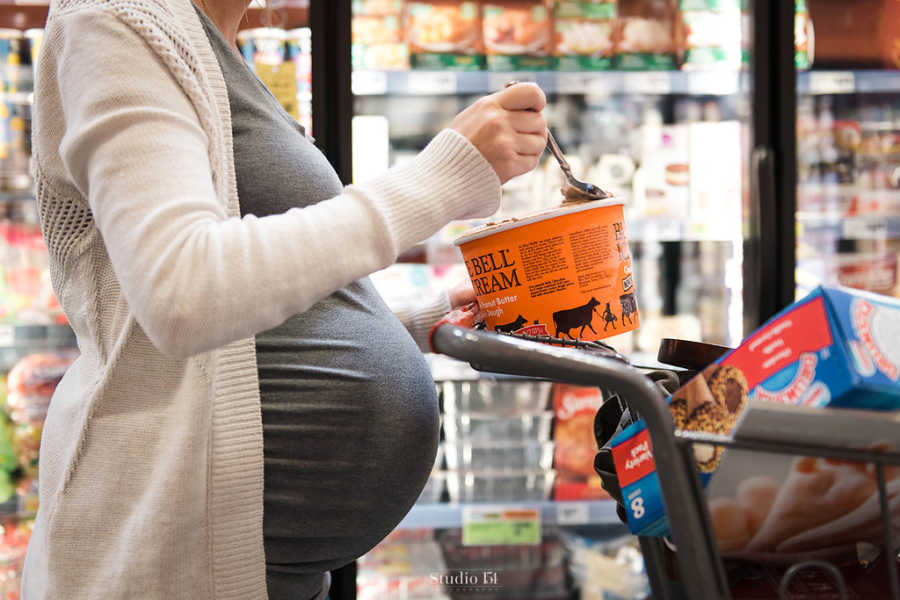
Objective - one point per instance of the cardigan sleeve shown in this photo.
(194, 277)
(420, 317)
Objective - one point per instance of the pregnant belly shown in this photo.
(350, 426)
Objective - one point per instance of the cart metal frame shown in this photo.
(702, 570)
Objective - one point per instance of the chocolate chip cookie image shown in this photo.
(694, 408)
(730, 390)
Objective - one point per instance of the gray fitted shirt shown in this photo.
(350, 420)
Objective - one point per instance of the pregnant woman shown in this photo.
(246, 414)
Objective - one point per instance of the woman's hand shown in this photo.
(461, 294)
(507, 128)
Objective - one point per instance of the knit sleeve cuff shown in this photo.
(420, 318)
(448, 180)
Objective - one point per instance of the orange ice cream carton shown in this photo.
(564, 272)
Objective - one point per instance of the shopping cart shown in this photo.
(702, 571)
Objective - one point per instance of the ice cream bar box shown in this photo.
(835, 348)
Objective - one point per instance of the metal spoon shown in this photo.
(576, 190)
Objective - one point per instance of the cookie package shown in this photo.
(835, 348)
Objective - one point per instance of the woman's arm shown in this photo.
(195, 278)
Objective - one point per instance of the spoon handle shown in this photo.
(554, 149)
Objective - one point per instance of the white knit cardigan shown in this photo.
(151, 473)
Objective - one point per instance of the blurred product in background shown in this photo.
(518, 35)
(282, 61)
(848, 199)
(585, 35)
(647, 35)
(576, 445)
(378, 35)
(445, 34)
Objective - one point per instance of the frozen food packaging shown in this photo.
(575, 408)
(585, 35)
(646, 39)
(836, 348)
(518, 35)
(712, 34)
(376, 7)
(445, 35)
(378, 42)
(564, 272)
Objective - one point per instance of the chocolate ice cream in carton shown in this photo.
(836, 348)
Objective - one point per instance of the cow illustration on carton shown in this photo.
(572, 318)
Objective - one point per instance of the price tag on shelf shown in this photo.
(713, 83)
(572, 83)
(832, 82)
(650, 82)
(573, 513)
(498, 526)
(863, 228)
(432, 82)
(369, 83)
(7, 336)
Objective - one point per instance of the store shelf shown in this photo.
(700, 83)
(19, 340)
(870, 227)
(29, 15)
(668, 229)
(449, 516)
(847, 82)
(436, 83)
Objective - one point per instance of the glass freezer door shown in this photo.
(848, 145)
(648, 98)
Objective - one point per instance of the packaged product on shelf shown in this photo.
(264, 49)
(402, 566)
(12, 42)
(662, 184)
(35, 37)
(14, 144)
(804, 47)
(573, 433)
(607, 568)
(518, 35)
(835, 348)
(31, 383)
(26, 294)
(445, 34)
(585, 35)
(299, 51)
(872, 272)
(646, 37)
(376, 7)
(14, 537)
(746, 33)
(712, 34)
(378, 42)
(30, 386)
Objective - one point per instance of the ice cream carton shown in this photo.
(835, 348)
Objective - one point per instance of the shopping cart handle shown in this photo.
(486, 351)
(494, 353)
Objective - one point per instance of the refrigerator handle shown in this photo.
(763, 232)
